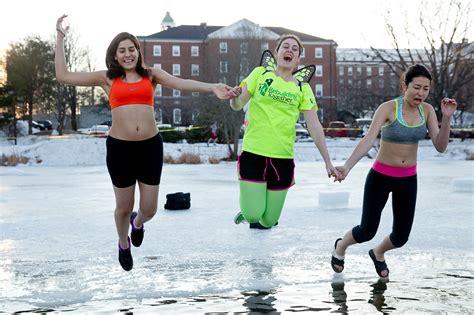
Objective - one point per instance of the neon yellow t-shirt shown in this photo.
(273, 111)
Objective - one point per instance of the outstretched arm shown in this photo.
(222, 91)
(63, 75)
(440, 136)
(317, 133)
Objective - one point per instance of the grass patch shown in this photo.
(13, 159)
(185, 158)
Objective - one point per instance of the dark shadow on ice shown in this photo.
(377, 297)
(259, 302)
(339, 295)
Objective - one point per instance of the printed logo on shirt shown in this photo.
(264, 87)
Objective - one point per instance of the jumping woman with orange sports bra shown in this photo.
(134, 145)
(403, 122)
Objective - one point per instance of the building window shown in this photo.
(156, 50)
(303, 52)
(194, 51)
(369, 71)
(341, 70)
(359, 71)
(159, 116)
(157, 66)
(349, 82)
(223, 66)
(244, 48)
(381, 83)
(381, 71)
(349, 71)
(223, 47)
(319, 71)
(264, 46)
(369, 83)
(176, 93)
(224, 80)
(244, 66)
(177, 116)
(194, 70)
(158, 90)
(176, 51)
(319, 90)
(318, 52)
(194, 115)
(195, 94)
(341, 82)
(176, 69)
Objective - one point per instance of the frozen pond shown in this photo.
(58, 246)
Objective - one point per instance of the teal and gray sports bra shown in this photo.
(399, 131)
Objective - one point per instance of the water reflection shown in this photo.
(340, 296)
(377, 297)
(259, 302)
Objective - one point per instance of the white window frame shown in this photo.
(318, 52)
(157, 66)
(176, 51)
(369, 71)
(157, 50)
(318, 89)
(223, 47)
(158, 90)
(349, 70)
(176, 69)
(369, 83)
(381, 71)
(264, 46)
(341, 70)
(194, 70)
(194, 51)
(177, 116)
(159, 116)
(319, 71)
(223, 66)
(359, 70)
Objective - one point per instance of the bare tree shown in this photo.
(445, 49)
(243, 54)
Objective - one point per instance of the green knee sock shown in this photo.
(275, 202)
(252, 200)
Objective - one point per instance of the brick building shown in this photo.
(227, 54)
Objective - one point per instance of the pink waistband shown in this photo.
(393, 170)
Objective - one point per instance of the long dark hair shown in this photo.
(415, 71)
(114, 70)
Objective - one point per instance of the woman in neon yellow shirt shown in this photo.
(277, 95)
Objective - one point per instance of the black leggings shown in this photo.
(377, 188)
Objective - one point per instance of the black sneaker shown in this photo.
(136, 234)
(259, 226)
(125, 257)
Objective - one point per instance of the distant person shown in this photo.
(277, 95)
(403, 122)
(213, 137)
(134, 145)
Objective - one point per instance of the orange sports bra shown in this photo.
(138, 93)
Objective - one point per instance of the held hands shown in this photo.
(448, 106)
(334, 172)
(59, 25)
(343, 171)
(225, 92)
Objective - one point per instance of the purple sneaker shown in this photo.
(125, 257)
(136, 234)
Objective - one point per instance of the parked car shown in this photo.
(47, 124)
(301, 132)
(100, 130)
(37, 125)
(107, 122)
(337, 129)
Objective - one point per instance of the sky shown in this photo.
(352, 24)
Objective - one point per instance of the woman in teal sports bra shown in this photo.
(402, 122)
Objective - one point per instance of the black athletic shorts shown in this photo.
(279, 174)
(132, 161)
